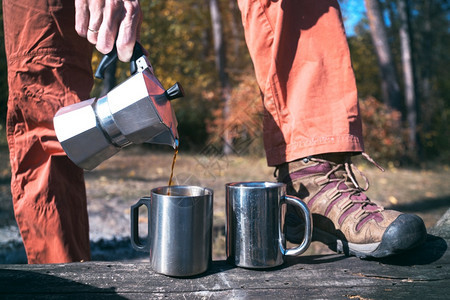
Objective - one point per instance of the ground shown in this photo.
(120, 181)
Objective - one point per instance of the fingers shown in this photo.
(95, 20)
(81, 17)
(88, 17)
(128, 30)
(121, 23)
(112, 16)
(104, 22)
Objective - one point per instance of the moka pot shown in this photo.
(136, 111)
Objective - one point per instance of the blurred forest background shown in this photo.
(400, 52)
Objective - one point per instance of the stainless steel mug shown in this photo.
(254, 220)
(179, 229)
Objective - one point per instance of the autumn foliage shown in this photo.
(382, 130)
(244, 122)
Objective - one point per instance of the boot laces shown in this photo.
(356, 189)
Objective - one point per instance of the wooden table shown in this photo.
(421, 273)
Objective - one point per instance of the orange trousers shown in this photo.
(49, 66)
(302, 64)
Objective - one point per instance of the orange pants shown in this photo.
(303, 68)
(48, 67)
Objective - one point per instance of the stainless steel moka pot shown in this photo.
(136, 111)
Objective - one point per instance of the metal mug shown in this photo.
(179, 229)
(254, 220)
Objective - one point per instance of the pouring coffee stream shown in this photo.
(136, 111)
(171, 169)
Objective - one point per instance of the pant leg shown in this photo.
(48, 68)
(302, 65)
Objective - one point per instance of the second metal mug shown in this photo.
(179, 229)
(254, 216)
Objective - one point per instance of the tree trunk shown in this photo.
(219, 49)
(408, 76)
(427, 51)
(390, 88)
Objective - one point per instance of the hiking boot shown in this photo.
(343, 216)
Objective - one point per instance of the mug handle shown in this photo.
(308, 227)
(134, 216)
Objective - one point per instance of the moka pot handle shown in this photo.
(108, 59)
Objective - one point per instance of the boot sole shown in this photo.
(404, 233)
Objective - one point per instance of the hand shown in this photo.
(104, 21)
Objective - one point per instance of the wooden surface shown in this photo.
(421, 273)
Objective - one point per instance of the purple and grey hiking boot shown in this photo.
(343, 216)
